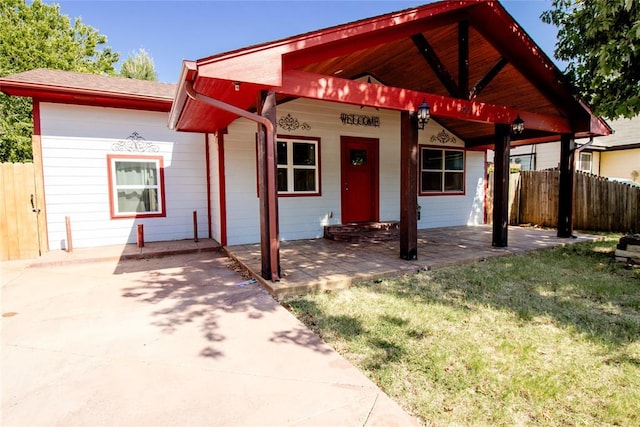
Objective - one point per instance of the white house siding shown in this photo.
(75, 143)
(304, 217)
(447, 211)
(547, 155)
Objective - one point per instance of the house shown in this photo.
(616, 157)
(383, 119)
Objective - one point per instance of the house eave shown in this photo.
(82, 96)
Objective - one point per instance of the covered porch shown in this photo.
(466, 65)
(322, 264)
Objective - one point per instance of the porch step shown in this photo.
(363, 231)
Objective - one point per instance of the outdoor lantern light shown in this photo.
(517, 127)
(423, 114)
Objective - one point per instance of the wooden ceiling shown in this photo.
(470, 59)
(401, 64)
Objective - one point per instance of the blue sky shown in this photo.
(175, 30)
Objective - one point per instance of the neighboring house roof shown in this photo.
(89, 89)
(626, 136)
(416, 54)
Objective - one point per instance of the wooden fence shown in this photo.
(599, 204)
(19, 214)
(514, 198)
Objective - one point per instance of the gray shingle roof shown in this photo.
(94, 83)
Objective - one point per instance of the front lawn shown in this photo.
(547, 338)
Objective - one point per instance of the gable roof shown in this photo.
(626, 136)
(89, 89)
(470, 60)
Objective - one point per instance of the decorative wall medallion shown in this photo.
(290, 123)
(443, 137)
(134, 143)
(360, 120)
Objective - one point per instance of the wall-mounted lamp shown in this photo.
(423, 114)
(517, 127)
(236, 86)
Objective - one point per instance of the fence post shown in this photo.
(67, 223)
(140, 236)
(195, 226)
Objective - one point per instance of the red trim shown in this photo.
(222, 188)
(65, 95)
(37, 127)
(207, 166)
(112, 210)
(330, 88)
(262, 63)
(464, 172)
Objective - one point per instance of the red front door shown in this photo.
(359, 172)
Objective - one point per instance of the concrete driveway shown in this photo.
(181, 340)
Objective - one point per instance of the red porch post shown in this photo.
(408, 186)
(565, 193)
(269, 233)
(501, 185)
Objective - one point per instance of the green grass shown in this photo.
(547, 338)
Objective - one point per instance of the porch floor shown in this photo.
(321, 264)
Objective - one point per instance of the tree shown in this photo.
(37, 35)
(139, 65)
(601, 41)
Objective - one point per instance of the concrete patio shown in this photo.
(181, 340)
(321, 264)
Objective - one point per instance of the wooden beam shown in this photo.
(408, 186)
(269, 236)
(565, 193)
(463, 59)
(436, 65)
(483, 82)
(498, 28)
(501, 186)
(329, 88)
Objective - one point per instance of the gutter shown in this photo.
(583, 146)
(186, 75)
(274, 244)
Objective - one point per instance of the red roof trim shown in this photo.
(187, 74)
(272, 66)
(81, 96)
(308, 85)
(344, 31)
(239, 65)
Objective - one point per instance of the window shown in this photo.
(585, 161)
(136, 186)
(441, 171)
(525, 162)
(298, 171)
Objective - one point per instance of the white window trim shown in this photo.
(290, 166)
(579, 161)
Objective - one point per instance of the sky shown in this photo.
(173, 30)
